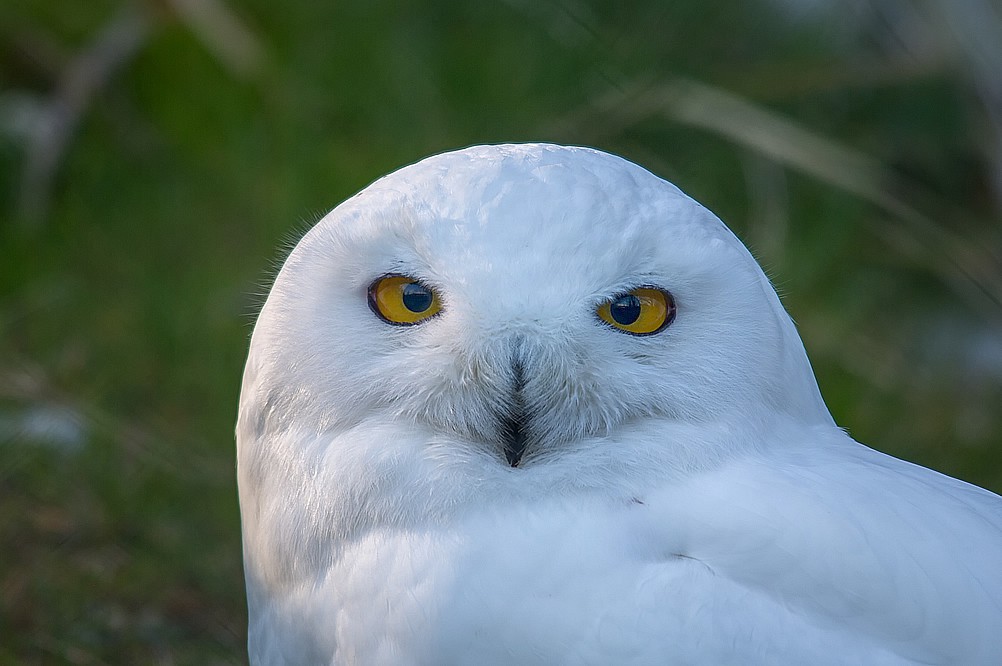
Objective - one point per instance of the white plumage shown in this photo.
(514, 481)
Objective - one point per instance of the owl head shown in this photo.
(498, 317)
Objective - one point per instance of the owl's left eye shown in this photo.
(642, 311)
(401, 300)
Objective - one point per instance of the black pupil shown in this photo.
(625, 309)
(416, 297)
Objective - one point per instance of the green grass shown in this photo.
(129, 306)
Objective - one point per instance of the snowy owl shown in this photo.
(531, 404)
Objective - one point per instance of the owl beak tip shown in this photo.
(514, 441)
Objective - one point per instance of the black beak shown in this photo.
(514, 439)
(514, 420)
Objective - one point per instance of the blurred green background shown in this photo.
(156, 157)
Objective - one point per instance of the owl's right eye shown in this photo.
(402, 300)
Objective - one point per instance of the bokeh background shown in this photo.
(157, 156)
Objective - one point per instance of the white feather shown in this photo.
(685, 497)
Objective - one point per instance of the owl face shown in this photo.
(512, 302)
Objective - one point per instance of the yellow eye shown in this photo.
(401, 300)
(643, 311)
